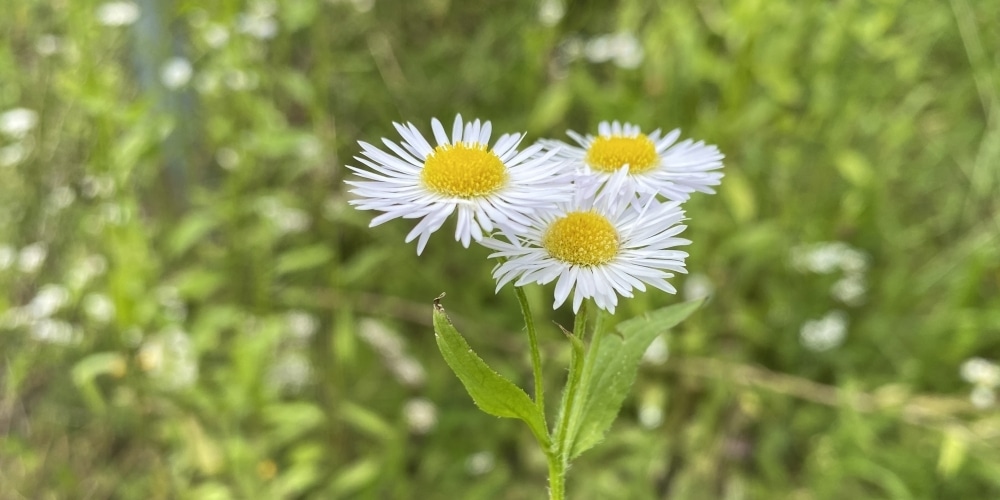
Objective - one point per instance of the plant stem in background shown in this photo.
(536, 356)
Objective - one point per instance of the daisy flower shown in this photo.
(596, 247)
(659, 165)
(485, 188)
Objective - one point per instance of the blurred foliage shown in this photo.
(193, 311)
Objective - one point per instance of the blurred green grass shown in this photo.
(225, 326)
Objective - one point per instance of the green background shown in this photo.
(265, 343)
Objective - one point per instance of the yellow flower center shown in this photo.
(582, 238)
(463, 171)
(611, 153)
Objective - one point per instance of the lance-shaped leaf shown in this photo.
(489, 390)
(610, 372)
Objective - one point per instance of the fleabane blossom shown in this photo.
(486, 189)
(597, 246)
(656, 164)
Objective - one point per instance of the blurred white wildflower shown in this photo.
(657, 352)
(622, 49)
(176, 73)
(49, 300)
(825, 333)
(227, 158)
(697, 286)
(85, 270)
(290, 373)
(240, 80)
(12, 154)
(983, 397)
(61, 197)
(391, 349)
(8, 255)
(98, 307)
(52, 331)
(301, 325)
(97, 186)
(363, 6)
(480, 463)
(286, 219)
(47, 45)
(827, 257)
(169, 358)
(31, 257)
(650, 416)
(170, 299)
(550, 12)
(309, 148)
(117, 13)
(259, 22)
(334, 207)
(215, 35)
(850, 289)
(420, 415)
(114, 214)
(18, 122)
(980, 371)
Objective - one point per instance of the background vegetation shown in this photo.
(191, 309)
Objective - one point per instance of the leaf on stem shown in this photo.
(491, 392)
(613, 370)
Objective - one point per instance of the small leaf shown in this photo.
(489, 390)
(954, 448)
(302, 259)
(612, 372)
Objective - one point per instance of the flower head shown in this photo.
(656, 165)
(597, 246)
(485, 188)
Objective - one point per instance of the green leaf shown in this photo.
(489, 390)
(302, 259)
(609, 374)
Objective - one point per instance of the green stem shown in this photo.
(536, 357)
(559, 455)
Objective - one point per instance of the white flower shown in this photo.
(484, 188)
(980, 371)
(600, 246)
(656, 164)
(176, 73)
(31, 257)
(48, 301)
(982, 397)
(99, 307)
(18, 122)
(53, 331)
(117, 13)
(550, 12)
(825, 333)
(420, 415)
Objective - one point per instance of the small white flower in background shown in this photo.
(622, 49)
(61, 197)
(48, 301)
(227, 158)
(169, 358)
(52, 331)
(290, 373)
(286, 219)
(697, 286)
(98, 307)
(309, 148)
(240, 80)
(13, 154)
(390, 347)
(480, 463)
(363, 6)
(598, 246)
(420, 415)
(828, 257)
(980, 371)
(85, 270)
(18, 122)
(118, 13)
(550, 12)
(47, 45)
(8, 255)
(176, 73)
(215, 35)
(259, 23)
(850, 289)
(460, 176)
(408, 371)
(301, 325)
(983, 397)
(656, 164)
(650, 416)
(825, 333)
(31, 257)
(657, 352)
